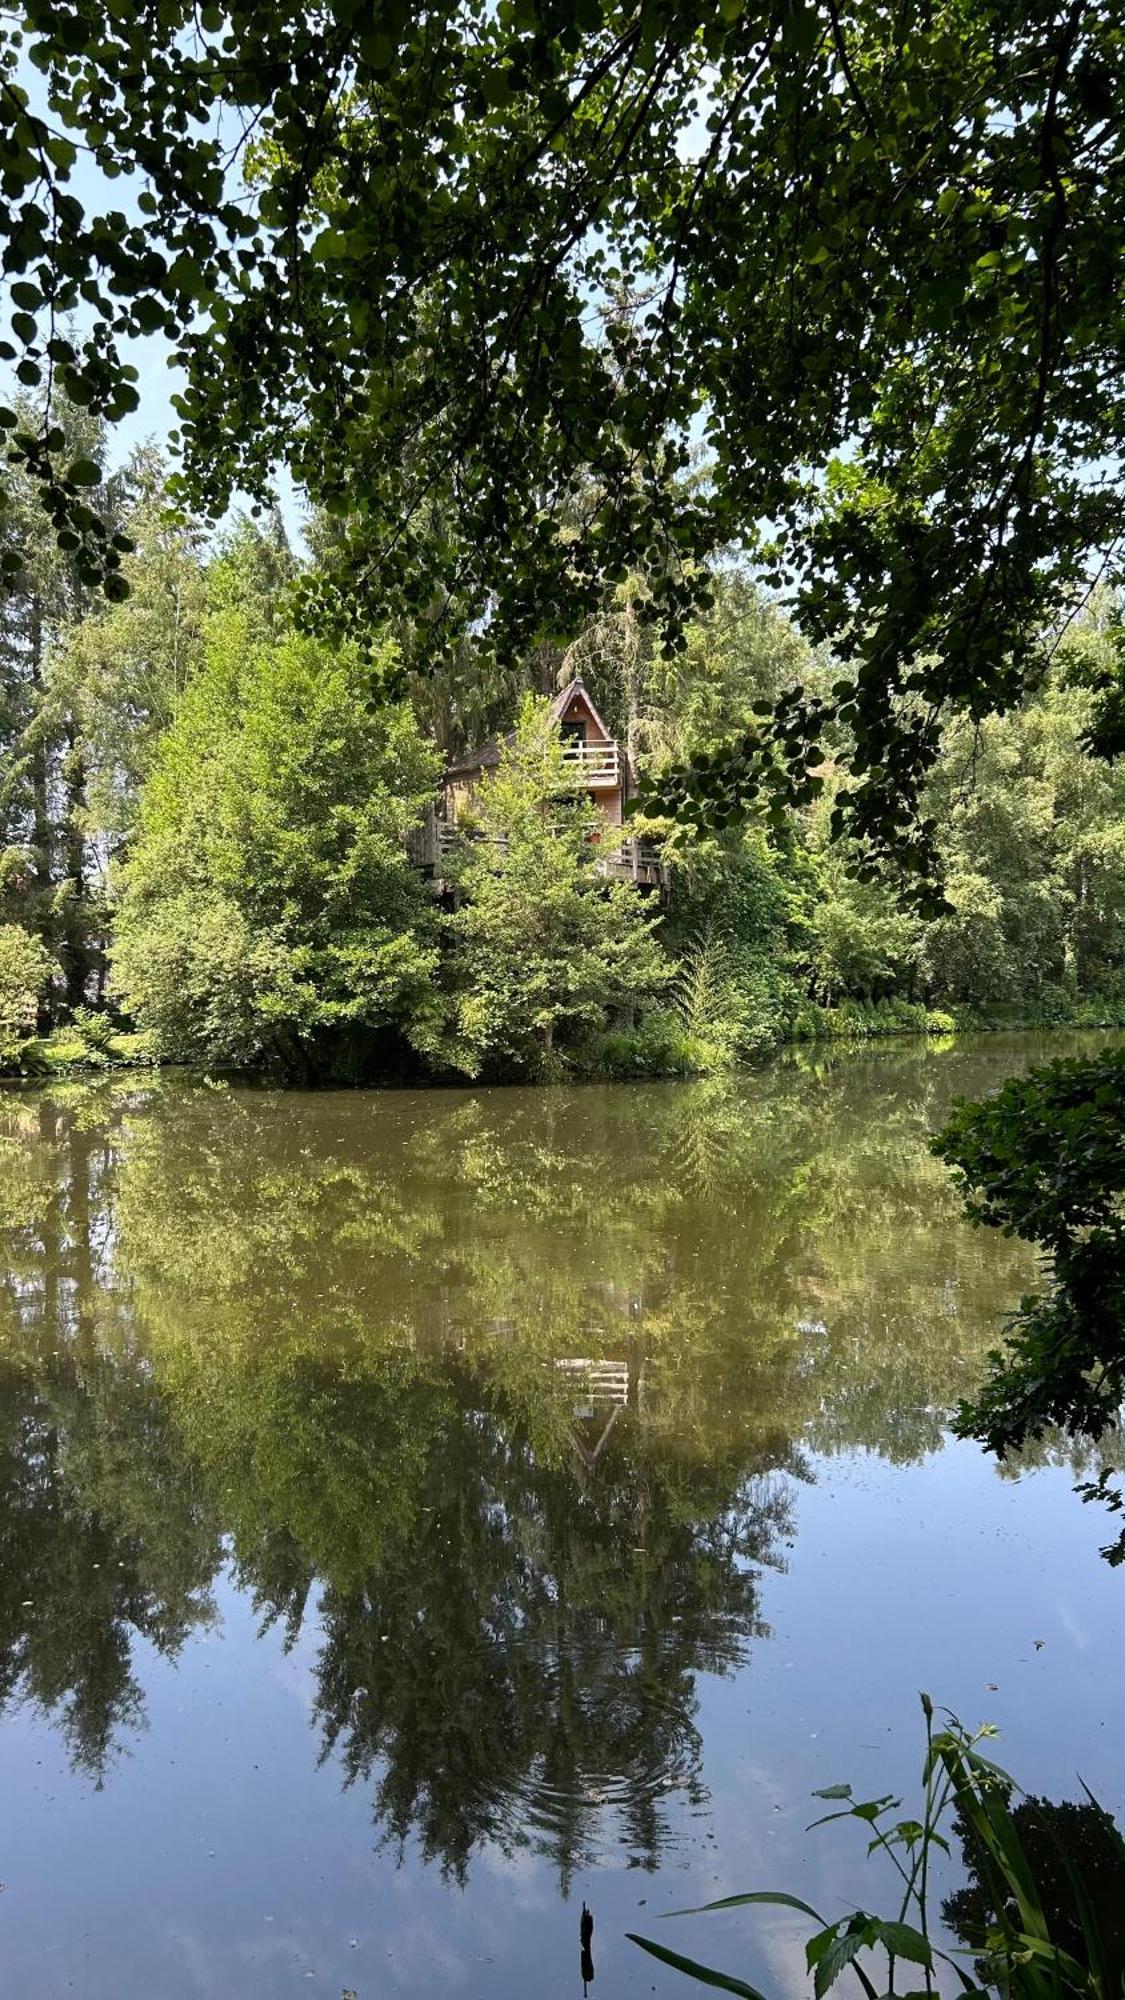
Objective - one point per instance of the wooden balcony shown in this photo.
(633, 861)
(601, 1379)
(598, 764)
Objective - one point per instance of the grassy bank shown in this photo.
(663, 1047)
(68, 1049)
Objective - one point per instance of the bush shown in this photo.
(857, 1021)
(723, 1000)
(660, 1046)
(95, 1029)
(30, 1058)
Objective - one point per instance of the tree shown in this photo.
(496, 266)
(740, 652)
(547, 949)
(861, 947)
(1032, 842)
(25, 968)
(50, 881)
(120, 669)
(268, 909)
(252, 571)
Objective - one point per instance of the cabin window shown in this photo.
(573, 732)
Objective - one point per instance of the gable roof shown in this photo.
(488, 756)
(566, 695)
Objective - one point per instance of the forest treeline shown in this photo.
(207, 823)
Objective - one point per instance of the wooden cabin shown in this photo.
(601, 769)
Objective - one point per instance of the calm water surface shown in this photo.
(421, 1512)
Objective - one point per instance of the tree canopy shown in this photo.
(484, 276)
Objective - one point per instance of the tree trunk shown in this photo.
(75, 953)
(42, 831)
(631, 689)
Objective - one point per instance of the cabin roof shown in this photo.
(489, 755)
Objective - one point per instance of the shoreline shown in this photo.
(858, 1030)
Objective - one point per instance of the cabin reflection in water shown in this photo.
(605, 1387)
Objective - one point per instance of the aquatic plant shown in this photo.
(1039, 1932)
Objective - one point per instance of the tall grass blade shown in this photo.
(706, 1974)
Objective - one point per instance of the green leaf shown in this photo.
(833, 1959)
(778, 1896)
(706, 1974)
(904, 1941)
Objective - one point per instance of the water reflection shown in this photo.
(1074, 1855)
(505, 1395)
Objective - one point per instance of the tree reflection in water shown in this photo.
(511, 1389)
(1064, 1841)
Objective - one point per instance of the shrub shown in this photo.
(855, 1020)
(724, 1001)
(95, 1029)
(660, 1046)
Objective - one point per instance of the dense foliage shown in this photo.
(481, 276)
(86, 688)
(138, 734)
(490, 265)
(24, 971)
(544, 946)
(268, 903)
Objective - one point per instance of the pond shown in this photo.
(423, 1512)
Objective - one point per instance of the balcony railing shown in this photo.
(599, 763)
(600, 1378)
(633, 861)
